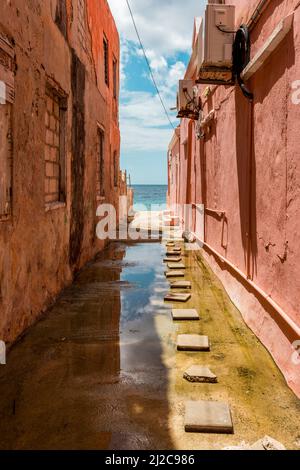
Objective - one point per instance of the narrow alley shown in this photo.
(101, 370)
(149, 228)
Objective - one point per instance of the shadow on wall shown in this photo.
(250, 125)
(207, 143)
(268, 12)
(246, 172)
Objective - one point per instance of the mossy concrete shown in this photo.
(101, 371)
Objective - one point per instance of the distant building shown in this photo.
(60, 147)
(241, 160)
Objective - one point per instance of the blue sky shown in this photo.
(166, 28)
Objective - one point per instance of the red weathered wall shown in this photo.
(35, 243)
(256, 182)
(99, 14)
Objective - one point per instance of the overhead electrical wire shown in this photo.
(148, 65)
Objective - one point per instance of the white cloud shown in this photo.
(143, 123)
(143, 120)
(136, 138)
(166, 29)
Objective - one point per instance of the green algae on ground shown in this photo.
(101, 371)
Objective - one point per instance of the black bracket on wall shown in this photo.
(241, 58)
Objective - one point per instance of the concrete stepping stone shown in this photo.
(173, 254)
(200, 374)
(208, 417)
(173, 260)
(176, 266)
(170, 244)
(173, 297)
(181, 285)
(177, 249)
(185, 315)
(193, 343)
(174, 274)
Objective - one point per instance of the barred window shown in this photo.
(100, 163)
(116, 169)
(106, 60)
(81, 25)
(5, 160)
(55, 155)
(115, 76)
(7, 95)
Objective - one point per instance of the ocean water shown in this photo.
(147, 197)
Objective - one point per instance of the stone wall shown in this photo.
(57, 104)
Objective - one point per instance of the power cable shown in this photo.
(148, 64)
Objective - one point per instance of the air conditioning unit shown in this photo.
(215, 65)
(197, 53)
(187, 105)
(199, 47)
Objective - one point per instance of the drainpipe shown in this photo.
(250, 193)
(262, 5)
(257, 13)
(292, 325)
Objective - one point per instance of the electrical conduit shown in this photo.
(257, 13)
(293, 326)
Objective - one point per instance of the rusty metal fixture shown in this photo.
(257, 13)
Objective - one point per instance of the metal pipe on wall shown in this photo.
(257, 13)
(292, 325)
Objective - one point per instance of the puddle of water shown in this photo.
(101, 371)
(140, 307)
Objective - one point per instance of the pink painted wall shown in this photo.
(256, 183)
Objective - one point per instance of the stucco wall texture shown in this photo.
(254, 177)
(50, 38)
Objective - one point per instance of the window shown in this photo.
(5, 161)
(61, 16)
(81, 24)
(115, 76)
(7, 95)
(55, 157)
(116, 169)
(100, 163)
(106, 61)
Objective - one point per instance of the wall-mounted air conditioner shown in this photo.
(215, 65)
(187, 103)
(197, 50)
(199, 47)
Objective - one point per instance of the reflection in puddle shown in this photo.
(101, 370)
(140, 343)
(82, 377)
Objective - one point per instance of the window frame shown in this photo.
(115, 77)
(7, 78)
(116, 168)
(54, 91)
(101, 142)
(106, 60)
(8, 163)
